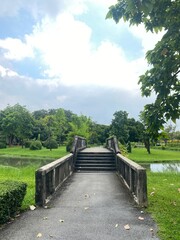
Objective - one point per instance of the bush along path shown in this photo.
(11, 196)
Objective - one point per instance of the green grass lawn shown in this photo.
(25, 152)
(164, 203)
(140, 155)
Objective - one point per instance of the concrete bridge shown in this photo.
(102, 199)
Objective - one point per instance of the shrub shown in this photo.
(123, 149)
(163, 148)
(51, 143)
(2, 145)
(129, 147)
(27, 144)
(11, 196)
(36, 145)
(69, 144)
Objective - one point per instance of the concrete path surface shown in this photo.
(89, 206)
(96, 149)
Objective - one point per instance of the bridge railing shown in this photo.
(112, 144)
(134, 177)
(51, 176)
(132, 174)
(78, 144)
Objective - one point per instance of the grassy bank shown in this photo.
(25, 152)
(163, 191)
(140, 155)
(24, 172)
(164, 203)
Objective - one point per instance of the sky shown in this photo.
(65, 54)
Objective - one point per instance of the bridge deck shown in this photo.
(96, 149)
(90, 206)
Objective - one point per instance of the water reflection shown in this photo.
(163, 167)
(22, 162)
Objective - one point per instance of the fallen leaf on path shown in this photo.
(39, 235)
(151, 229)
(127, 227)
(61, 220)
(45, 218)
(116, 225)
(32, 207)
(141, 218)
(86, 208)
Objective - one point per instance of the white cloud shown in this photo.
(148, 39)
(72, 59)
(6, 72)
(15, 49)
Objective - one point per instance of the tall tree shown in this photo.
(16, 122)
(119, 126)
(164, 74)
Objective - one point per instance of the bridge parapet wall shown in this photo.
(51, 176)
(134, 177)
(132, 174)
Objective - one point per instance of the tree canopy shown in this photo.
(163, 75)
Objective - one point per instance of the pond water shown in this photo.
(163, 167)
(22, 162)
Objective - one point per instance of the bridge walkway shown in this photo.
(89, 206)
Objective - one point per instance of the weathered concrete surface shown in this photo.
(90, 206)
(96, 149)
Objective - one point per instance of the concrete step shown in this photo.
(95, 168)
(95, 161)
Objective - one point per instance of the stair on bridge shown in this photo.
(89, 160)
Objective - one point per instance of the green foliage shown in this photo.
(119, 126)
(27, 144)
(16, 123)
(126, 129)
(2, 140)
(129, 149)
(36, 145)
(70, 141)
(11, 196)
(51, 143)
(123, 149)
(163, 76)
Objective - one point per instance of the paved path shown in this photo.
(96, 149)
(90, 206)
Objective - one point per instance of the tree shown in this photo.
(163, 76)
(99, 133)
(119, 126)
(136, 129)
(62, 125)
(16, 123)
